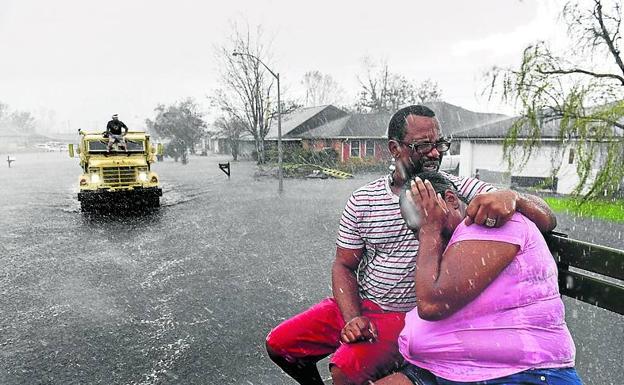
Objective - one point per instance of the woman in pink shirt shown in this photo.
(489, 309)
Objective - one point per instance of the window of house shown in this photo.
(355, 148)
(370, 148)
(571, 156)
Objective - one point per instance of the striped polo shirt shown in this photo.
(372, 220)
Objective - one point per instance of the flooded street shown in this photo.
(187, 294)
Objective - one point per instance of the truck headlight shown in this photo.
(143, 176)
(95, 178)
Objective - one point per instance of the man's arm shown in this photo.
(345, 290)
(538, 211)
(500, 205)
(125, 127)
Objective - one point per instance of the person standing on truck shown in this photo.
(372, 274)
(113, 131)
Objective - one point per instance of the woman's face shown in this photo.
(456, 210)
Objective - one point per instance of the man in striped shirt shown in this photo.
(372, 275)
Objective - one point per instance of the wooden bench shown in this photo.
(590, 273)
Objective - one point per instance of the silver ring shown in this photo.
(490, 222)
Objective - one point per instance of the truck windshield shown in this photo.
(99, 146)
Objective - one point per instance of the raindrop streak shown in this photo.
(569, 282)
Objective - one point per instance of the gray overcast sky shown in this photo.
(88, 59)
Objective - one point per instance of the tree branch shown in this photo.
(610, 42)
(582, 71)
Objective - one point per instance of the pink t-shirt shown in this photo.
(516, 323)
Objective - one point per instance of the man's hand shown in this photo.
(492, 209)
(360, 328)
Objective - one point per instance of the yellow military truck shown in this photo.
(120, 176)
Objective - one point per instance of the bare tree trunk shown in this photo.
(247, 85)
(234, 148)
(260, 150)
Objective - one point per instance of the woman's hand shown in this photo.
(431, 206)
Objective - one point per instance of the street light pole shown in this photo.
(280, 171)
(280, 153)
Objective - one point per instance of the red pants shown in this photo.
(315, 334)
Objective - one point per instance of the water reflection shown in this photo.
(130, 218)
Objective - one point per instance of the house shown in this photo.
(352, 136)
(301, 121)
(293, 124)
(477, 143)
(553, 165)
(365, 135)
(355, 135)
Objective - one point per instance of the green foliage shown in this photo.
(367, 164)
(301, 162)
(23, 120)
(17, 120)
(296, 170)
(584, 100)
(325, 157)
(232, 127)
(182, 123)
(611, 210)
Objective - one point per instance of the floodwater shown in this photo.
(186, 294)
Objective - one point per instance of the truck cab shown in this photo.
(118, 177)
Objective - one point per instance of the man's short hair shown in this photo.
(440, 183)
(396, 126)
(115, 116)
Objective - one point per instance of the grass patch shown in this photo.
(612, 210)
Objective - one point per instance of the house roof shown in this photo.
(454, 119)
(331, 129)
(326, 122)
(303, 119)
(375, 125)
(499, 129)
(355, 125)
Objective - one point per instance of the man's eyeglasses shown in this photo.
(425, 147)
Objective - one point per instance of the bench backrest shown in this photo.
(588, 272)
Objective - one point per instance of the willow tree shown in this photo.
(581, 89)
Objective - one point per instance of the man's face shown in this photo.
(410, 162)
(115, 118)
